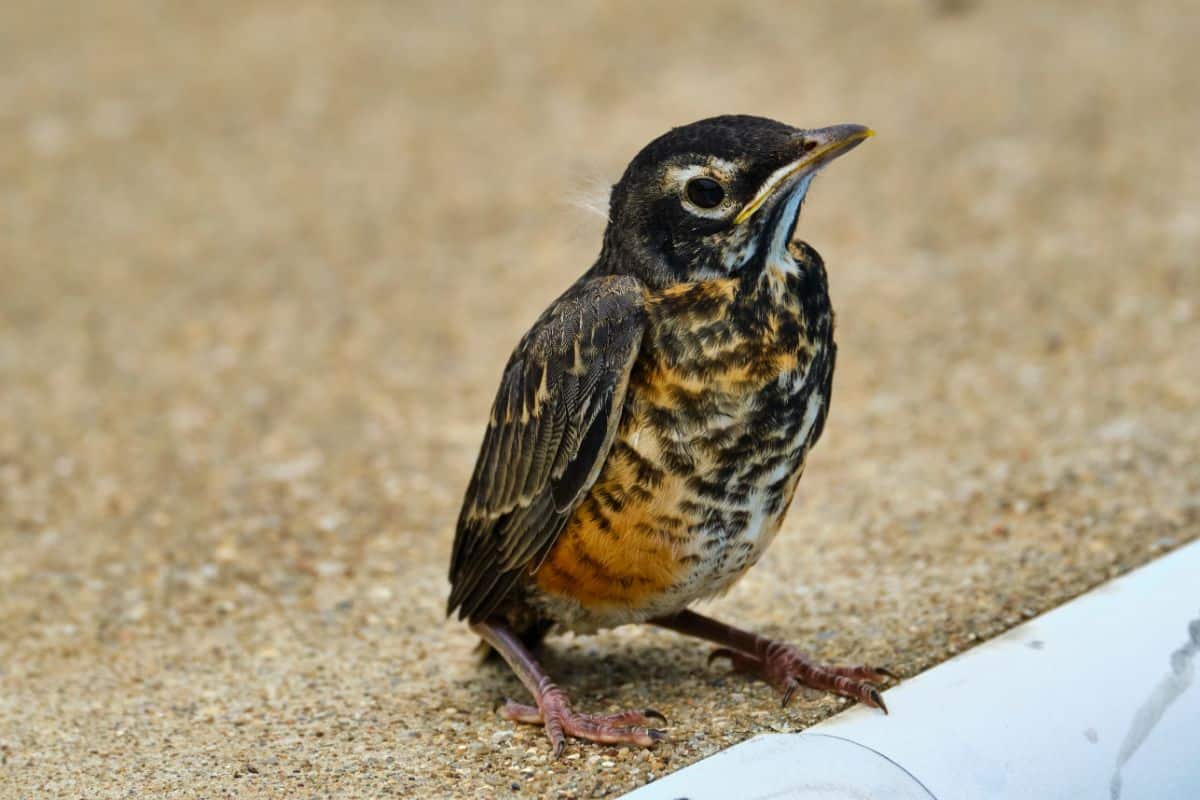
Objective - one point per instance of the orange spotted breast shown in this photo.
(727, 395)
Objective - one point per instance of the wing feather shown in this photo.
(550, 429)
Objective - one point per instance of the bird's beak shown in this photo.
(817, 148)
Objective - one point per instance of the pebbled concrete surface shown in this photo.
(261, 263)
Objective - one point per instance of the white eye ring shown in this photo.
(685, 175)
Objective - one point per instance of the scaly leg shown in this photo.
(553, 709)
(778, 663)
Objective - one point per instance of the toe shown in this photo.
(858, 690)
(519, 712)
(602, 730)
(625, 719)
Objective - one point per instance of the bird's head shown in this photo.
(712, 198)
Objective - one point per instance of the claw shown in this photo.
(720, 652)
(653, 714)
(887, 673)
(877, 699)
(792, 686)
(656, 734)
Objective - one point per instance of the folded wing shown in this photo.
(549, 433)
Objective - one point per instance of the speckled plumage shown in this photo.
(651, 427)
(727, 395)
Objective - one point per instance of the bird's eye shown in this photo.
(705, 192)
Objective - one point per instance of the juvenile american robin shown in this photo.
(650, 428)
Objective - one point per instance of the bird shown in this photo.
(650, 428)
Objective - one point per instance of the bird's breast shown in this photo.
(725, 399)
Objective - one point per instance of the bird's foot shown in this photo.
(553, 710)
(787, 669)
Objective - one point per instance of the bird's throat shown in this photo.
(782, 227)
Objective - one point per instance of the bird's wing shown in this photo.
(550, 430)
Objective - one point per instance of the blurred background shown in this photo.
(261, 264)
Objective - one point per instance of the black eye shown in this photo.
(705, 192)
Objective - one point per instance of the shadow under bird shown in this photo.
(652, 425)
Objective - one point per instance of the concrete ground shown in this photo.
(261, 263)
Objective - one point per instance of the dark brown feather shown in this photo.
(550, 430)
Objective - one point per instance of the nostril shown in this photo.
(810, 145)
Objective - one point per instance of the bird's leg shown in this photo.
(778, 663)
(553, 709)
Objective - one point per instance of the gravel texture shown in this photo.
(261, 263)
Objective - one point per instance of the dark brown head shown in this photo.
(714, 197)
